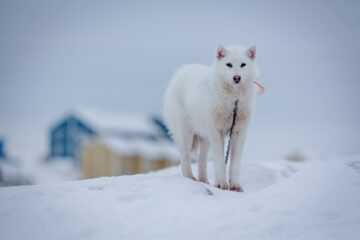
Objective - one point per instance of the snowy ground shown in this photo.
(55, 171)
(282, 200)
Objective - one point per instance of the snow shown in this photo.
(110, 121)
(55, 171)
(12, 175)
(282, 200)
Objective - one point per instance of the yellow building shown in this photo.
(114, 156)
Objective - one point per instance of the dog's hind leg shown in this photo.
(204, 148)
(185, 142)
(195, 143)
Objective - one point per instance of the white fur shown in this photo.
(198, 110)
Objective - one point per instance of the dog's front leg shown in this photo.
(237, 145)
(217, 148)
(204, 147)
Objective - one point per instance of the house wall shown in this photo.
(99, 160)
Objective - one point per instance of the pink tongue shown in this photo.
(261, 87)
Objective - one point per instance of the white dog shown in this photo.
(198, 110)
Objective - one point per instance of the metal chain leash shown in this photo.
(231, 131)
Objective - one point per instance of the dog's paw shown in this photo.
(236, 187)
(191, 177)
(203, 180)
(222, 185)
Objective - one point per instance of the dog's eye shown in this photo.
(229, 65)
(243, 65)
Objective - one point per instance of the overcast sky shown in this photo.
(119, 56)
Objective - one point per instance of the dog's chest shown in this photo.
(224, 114)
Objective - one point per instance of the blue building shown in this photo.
(67, 136)
(2, 149)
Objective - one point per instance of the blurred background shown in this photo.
(82, 82)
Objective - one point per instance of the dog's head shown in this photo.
(236, 66)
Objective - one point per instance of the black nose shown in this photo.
(237, 78)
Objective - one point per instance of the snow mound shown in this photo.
(308, 200)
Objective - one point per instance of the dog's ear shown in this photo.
(220, 52)
(251, 52)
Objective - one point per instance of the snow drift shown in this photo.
(282, 200)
